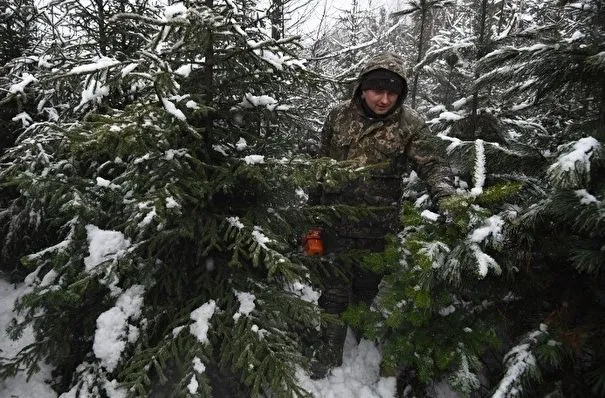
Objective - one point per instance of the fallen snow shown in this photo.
(358, 377)
(19, 386)
(173, 110)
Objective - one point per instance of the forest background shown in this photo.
(157, 162)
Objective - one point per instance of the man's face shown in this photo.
(379, 101)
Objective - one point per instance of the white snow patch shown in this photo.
(246, 304)
(304, 291)
(128, 69)
(201, 317)
(171, 203)
(241, 144)
(193, 385)
(460, 103)
(24, 118)
(357, 377)
(579, 157)
(173, 110)
(19, 385)
(20, 87)
(94, 92)
(301, 194)
(447, 310)
(106, 183)
(103, 246)
(198, 366)
(493, 227)
(148, 218)
(100, 63)
(484, 261)
(186, 69)
(585, 197)
(479, 174)
(518, 361)
(235, 222)
(450, 116)
(49, 278)
(251, 101)
(113, 331)
(254, 159)
(429, 215)
(191, 104)
(176, 10)
(260, 238)
(422, 200)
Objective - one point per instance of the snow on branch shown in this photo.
(100, 64)
(360, 45)
(484, 261)
(572, 168)
(479, 174)
(113, 329)
(246, 304)
(492, 228)
(20, 87)
(520, 364)
(201, 321)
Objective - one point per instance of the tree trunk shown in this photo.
(420, 50)
(601, 125)
(208, 78)
(481, 51)
(277, 20)
(102, 29)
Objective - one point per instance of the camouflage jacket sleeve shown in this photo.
(423, 151)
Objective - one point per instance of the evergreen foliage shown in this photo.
(162, 250)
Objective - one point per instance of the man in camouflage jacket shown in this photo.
(376, 131)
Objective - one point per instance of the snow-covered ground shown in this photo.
(19, 387)
(358, 377)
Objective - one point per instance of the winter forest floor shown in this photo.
(358, 377)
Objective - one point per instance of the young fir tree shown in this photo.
(170, 272)
(560, 237)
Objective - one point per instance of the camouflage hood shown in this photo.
(388, 61)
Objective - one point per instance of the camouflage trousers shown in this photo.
(360, 285)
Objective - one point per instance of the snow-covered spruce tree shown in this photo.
(18, 34)
(169, 275)
(458, 108)
(423, 13)
(437, 313)
(560, 237)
